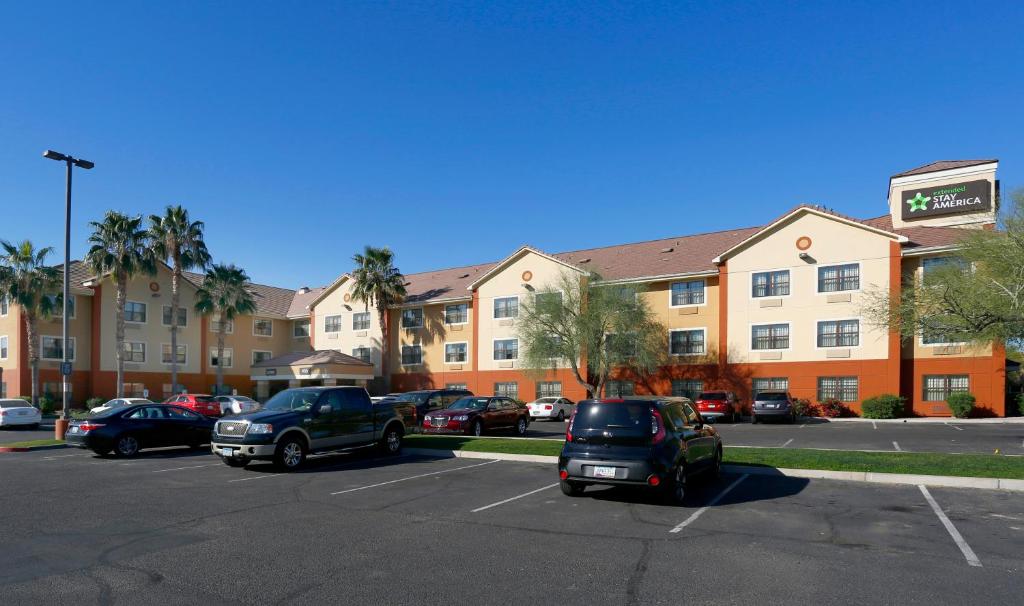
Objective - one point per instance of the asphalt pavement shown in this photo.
(21, 434)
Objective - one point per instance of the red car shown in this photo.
(203, 404)
(475, 415)
(714, 405)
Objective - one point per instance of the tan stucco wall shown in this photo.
(432, 338)
(913, 348)
(80, 327)
(705, 316)
(347, 339)
(10, 327)
(243, 342)
(903, 184)
(832, 243)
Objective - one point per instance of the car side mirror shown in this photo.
(325, 409)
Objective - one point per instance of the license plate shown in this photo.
(604, 472)
(773, 406)
(74, 429)
(228, 452)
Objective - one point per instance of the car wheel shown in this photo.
(561, 416)
(716, 465)
(126, 446)
(477, 429)
(391, 441)
(571, 489)
(521, 426)
(233, 462)
(676, 489)
(290, 454)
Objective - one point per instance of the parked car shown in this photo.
(476, 415)
(303, 420)
(201, 403)
(656, 442)
(558, 409)
(119, 403)
(127, 430)
(715, 405)
(773, 404)
(427, 400)
(236, 405)
(17, 412)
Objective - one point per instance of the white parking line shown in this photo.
(954, 427)
(180, 468)
(525, 494)
(788, 442)
(422, 475)
(266, 475)
(64, 456)
(875, 425)
(713, 502)
(896, 446)
(965, 549)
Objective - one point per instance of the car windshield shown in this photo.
(417, 397)
(771, 396)
(613, 415)
(469, 404)
(711, 395)
(546, 400)
(244, 399)
(293, 399)
(14, 404)
(205, 399)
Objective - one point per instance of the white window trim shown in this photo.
(185, 345)
(496, 339)
(704, 332)
(3, 356)
(402, 356)
(494, 311)
(180, 307)
(750, 335)
(4, 310)
(255, 334)
(59, 338)
(447, 343)
(353, 323)
(253, 355)
(792, 284)
(126, 320)
(817, 280)
(921, 343)
(309, 326)
(401, 319)
(231, 331)
(704, 304)
(213, 352)
(145, 351)
(341, 319)
(445, 312)
(353, 354)
(860, 334)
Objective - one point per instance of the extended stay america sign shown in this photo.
(959, 198)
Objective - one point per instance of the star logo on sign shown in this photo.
(918, 202)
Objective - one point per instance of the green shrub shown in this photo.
(46, 404)
(961, 404)
(804, 408)
(1020, 404)
(885, 406)
(94, 402)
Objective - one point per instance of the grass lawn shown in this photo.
(934, 464)
(32, 443)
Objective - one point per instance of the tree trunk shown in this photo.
(175, 279)
(122, 295)
(385, 347)
(32, 332)
(220, 355)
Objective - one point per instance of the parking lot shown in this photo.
(179, 527)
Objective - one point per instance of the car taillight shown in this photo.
(568, 432)
(84, 427)
(548, 407)
(563, 474)
(657, 427)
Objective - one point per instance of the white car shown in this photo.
(118, 403)
(236, 405)
(559, 409)
(19, 412)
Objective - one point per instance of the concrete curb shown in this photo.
(814, 474)
(4, 449)
(924, 420)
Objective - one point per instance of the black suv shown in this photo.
(657, 442)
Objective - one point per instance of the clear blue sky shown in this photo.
(454, 133)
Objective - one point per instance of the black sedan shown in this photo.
(129, 429)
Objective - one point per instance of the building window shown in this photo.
(332, 324)
(3, 347)
(363, 353)
(937, 388)
(261, 356)
(229, 326)
(4, 306)
(412, 355)
(3, 389)
(456, 353)
(58, 308)
(770, 384)
(135, 390)
(688, 293)
(508, 389)
(769, 336)
(686, 342)
(549, 389)
(506, 349)
(300, 328)
(134, 352)
(618, 389)
(619, 345)
(455, 386)
(843, 389)
(771, 283)
(412, 318)
(135, 312)
(165, 353)
(839, 333)
(262, 327)
(687, 388)
(506, 307)
(934, 264)
(228, 359)
(548, 300)
(168, 392)
(53, 348)
(456, 314)
(361, 320)
(931, 336)
(836, 278)
(182, 316)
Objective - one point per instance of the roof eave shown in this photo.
(500, 266)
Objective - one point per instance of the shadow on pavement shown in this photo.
(702, 492)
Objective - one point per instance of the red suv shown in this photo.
(203, 404)
(714, 405)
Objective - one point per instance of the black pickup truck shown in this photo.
(304, 420)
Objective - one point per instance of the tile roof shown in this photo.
(444, 283)
(328, 356)
(270, 300)
(920, 236)
(942, 165)
(302, 299)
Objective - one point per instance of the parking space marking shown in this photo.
(954, 427)
(266, 475)
(422, 475)
(64, 456)
(896, 446)
(965, 549)
(712, 503)
(875, 425)
(180, 468)
(525, 494)
(788, 442)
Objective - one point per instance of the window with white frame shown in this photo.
(53, 348)
(837, 278)
(361, 320)
(937, 388)
(58, 308)
(3, 347)
(456, 353)
(618, 389)
(165, 353)
(182, 316)
(686, 342)
(843, 389)
(412, 355)
(134, 390)
(455, 386)
(690, 292)
(332, 324)
(262, 327)
(135, 312)
(769, 384)
(506, 307)
(229, 326)
(456, 314)
(687, 388)
(507, 389)
(412, 318)
(770, 283)
(933, 265)
(227, 360)
(261, 356)
(300, 328)
(838, 333)
(135, 352)
(363, 353)
(549, 389)
(506, 349)
(769, 336)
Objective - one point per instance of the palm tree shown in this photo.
(25, 280)
(225, 292)
(177, 239)
(378, 282)
(121, 251)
